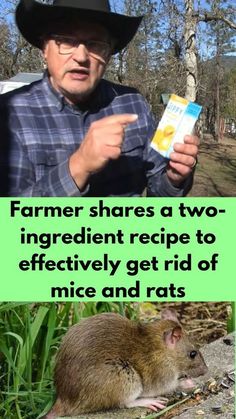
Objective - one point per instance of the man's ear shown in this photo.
(44, 49)
(108, 60)
(172, 337)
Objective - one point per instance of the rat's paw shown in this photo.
(151, 403)
(186, 384)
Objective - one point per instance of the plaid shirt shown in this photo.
(40, 130)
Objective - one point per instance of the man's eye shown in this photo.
(65, 41)
(69, 41)
(93, 45)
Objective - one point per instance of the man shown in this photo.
(73, 133)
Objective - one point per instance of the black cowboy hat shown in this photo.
(34, 16)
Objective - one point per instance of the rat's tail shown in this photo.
(56, 411)
(48, 416)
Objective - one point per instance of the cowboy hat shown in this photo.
(34, 16)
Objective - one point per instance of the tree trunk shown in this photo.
(190, 52)
(217, 120)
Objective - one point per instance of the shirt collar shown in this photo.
(56, 97)
(95, 102)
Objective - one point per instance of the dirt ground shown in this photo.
(216, 169)
(204, 321)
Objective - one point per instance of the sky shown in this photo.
(117, 5)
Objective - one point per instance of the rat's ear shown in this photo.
(172, 337)
(169, 314)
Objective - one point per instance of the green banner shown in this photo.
(119, 249)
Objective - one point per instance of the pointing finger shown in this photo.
(123, 119)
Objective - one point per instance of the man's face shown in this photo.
(76, 74)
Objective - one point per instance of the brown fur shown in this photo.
(106, 360)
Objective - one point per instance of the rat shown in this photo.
(108, 361)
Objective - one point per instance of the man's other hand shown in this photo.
(183, 159)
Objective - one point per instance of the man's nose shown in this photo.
(80, 54)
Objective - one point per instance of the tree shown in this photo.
(16, 54)
(220, 37)
(218, 16)
(5, 52)
(164, 56)
(190, 30)
(228, 108)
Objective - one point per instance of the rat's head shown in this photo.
(187, 358)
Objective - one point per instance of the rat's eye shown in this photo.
(193, 354)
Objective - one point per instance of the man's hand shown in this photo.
(102, 143)
(183, 159)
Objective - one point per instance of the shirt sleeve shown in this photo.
(158, 183)
(17, 174)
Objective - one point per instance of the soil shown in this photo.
(215, 173)
(204, 321)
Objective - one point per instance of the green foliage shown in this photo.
(228, 104)
(30, 335)
(231, 319)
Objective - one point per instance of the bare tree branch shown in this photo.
(209, 17)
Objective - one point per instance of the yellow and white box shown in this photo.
(177, 121)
